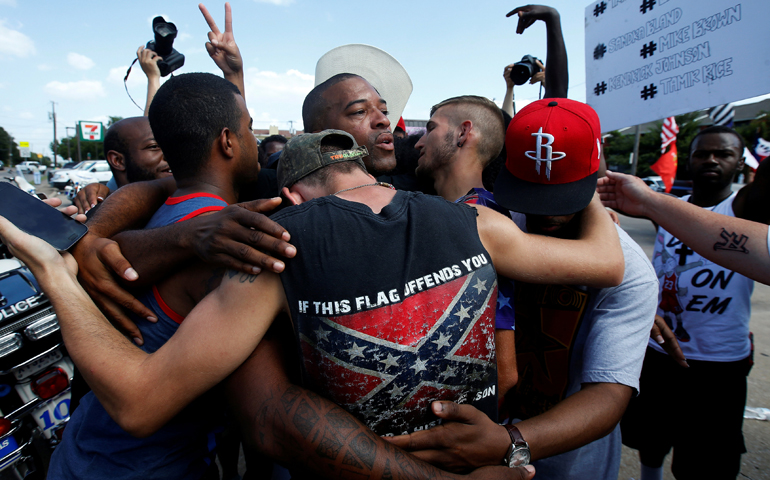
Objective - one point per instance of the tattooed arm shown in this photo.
(313, 436)
(731, 242)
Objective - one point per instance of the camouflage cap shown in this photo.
(302, 155)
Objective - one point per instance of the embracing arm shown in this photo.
(731, 242)
(130, 207)
(595, 259)
(307, 432)
(228, 238)
(142, 392)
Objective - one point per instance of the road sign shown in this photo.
(91, 131)
(24, 150)
(651, 59)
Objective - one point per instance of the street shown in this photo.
(755, 463)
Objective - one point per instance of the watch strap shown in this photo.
(515, 435)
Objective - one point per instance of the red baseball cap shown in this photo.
(554, 148)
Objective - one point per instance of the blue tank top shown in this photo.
(95, 447)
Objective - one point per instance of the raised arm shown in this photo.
(148, 59)
(556, 73)
(508, 99)
(223, 49)
(595, 259)
(731, 242)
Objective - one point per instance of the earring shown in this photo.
(459, 144)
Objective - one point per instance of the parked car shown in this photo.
(655, 183)
(98, 172)
(27, 167)
(681, 188)
(61, 178)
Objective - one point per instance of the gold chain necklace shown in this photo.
(378, 184)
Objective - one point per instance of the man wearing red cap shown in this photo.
(579, 350)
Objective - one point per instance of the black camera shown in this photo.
(163, 45)
(524, 69)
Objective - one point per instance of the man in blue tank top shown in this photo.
(204, 129)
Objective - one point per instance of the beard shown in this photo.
(134, 173)
(441, 157)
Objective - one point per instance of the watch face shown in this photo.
(520, 457)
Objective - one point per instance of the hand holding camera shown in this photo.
(163, 45)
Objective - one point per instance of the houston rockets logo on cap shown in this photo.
(537, 155)
(553, 158)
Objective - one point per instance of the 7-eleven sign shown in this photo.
(91, 131)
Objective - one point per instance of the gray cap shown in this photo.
(302, 155)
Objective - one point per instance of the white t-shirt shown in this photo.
(712, 303)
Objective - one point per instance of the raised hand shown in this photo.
(529, 14)
(221, 46)
(625, 193)
(148, 60)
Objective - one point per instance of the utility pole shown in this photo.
(53, 117)
(291, 127)
(69, 155)
(635, 161)
(77, 134)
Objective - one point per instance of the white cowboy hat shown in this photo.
(377, 66)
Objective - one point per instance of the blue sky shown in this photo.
(75, 53)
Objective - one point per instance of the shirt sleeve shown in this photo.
(620, 324)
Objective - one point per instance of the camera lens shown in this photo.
(164, 36)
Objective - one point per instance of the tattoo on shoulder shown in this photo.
(248, 277)
(242, 277)
(732, 242)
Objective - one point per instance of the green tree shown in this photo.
(112, 121)
(92, 150)
(9, 149)
(618, 147)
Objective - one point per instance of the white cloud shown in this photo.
(81, 62)
(26, 115)
(276, 97)
(82, 90)
(8, 3)
(136, 79)
(13, 42)
(44, 68)
(183, 37)
(280, 3)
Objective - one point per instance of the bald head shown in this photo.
(133, 153)
(349, 103)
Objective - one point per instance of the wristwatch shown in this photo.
(518, 454)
